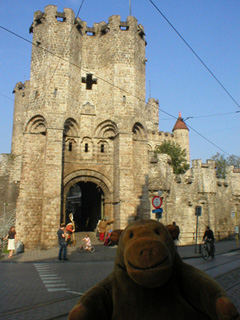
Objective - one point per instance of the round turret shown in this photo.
(181, 134)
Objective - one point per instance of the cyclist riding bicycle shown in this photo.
(209, 238)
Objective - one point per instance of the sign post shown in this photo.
(198, 213)
(157, 203)
(234, 214)
(158, 212)
(237, 227)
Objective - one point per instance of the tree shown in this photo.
(234, 160)
(177, 154)
(221, 163)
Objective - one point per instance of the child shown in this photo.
(87, 242)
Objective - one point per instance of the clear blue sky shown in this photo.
(178, 80)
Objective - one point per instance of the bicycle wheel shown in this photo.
(204, 253)
(92, 249)
(212, 250)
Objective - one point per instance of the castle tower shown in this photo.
(82, 132)
(84, 125)
(181, 134)
(21, 92)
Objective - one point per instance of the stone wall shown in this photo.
(199, 186)
(82, 118)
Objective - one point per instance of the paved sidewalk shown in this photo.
(103, 253)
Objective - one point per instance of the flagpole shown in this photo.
(130, 7)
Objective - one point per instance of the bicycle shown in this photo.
(83, 248)
(208, 249)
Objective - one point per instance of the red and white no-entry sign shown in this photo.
(157, 202)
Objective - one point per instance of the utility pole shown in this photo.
(4, 217)
(237, 227)
(198, 213)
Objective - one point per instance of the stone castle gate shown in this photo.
(89, 196)
(84, 138)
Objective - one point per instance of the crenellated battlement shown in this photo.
(81, 124)
(114, 25)
(21, 86)
(197, 163)
(52, 16)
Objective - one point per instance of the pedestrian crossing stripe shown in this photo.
(57, 289)
(231, 253)
(51, 281)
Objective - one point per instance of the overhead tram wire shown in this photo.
(6, 97)
(73, 64)
(111, 84)
(207, 115)
(196, 55)
(211, 115)
(81, 68)
(201, 135)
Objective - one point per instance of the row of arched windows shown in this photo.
(107, 129)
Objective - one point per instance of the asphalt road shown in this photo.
(47, 291)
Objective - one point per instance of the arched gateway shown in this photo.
(88, 195)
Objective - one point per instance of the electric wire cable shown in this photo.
(201, 135)
(3, 95)
(206, 115)
(106, 81)
(211, 115)
(196, 55)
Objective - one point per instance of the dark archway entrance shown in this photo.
(85, 200)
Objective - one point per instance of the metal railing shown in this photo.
(7, 220)
(190, 237)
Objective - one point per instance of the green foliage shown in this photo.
(222, 162)
(234, 161)
(221, 165)
(177, 154)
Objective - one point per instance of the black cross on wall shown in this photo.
(89, 81)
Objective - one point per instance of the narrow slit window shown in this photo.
(86, 147)
(70, 146)
(102, 148)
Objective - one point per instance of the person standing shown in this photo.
(175, 231)
(62, 255)
(69, 229)
(102, 226)
(11, 236)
